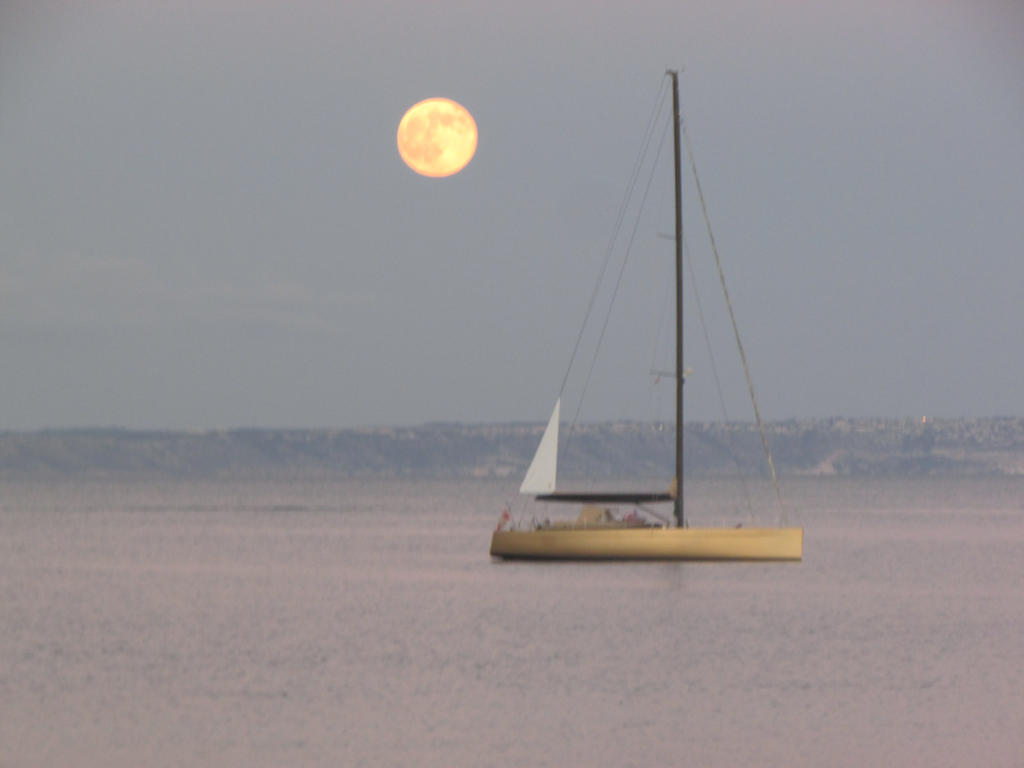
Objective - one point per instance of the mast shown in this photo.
(680, 517)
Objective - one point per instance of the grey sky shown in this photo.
(204, 220)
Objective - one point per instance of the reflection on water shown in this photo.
(362, 623)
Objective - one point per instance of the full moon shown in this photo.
(437, 137)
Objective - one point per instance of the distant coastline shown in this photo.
(837, 446)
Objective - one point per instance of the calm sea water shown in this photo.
(363, 624)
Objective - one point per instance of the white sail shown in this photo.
(540, 477)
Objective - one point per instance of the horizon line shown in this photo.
(926, 420)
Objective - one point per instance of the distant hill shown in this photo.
(604, 450)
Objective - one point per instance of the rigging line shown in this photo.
(655, 393)
(663, 305)
(656, 109)
(618, 281)
(660, 367)
(732, 317)
(714, 367)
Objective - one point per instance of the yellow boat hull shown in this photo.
(650, 544)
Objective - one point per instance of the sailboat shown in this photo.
(597, 535)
